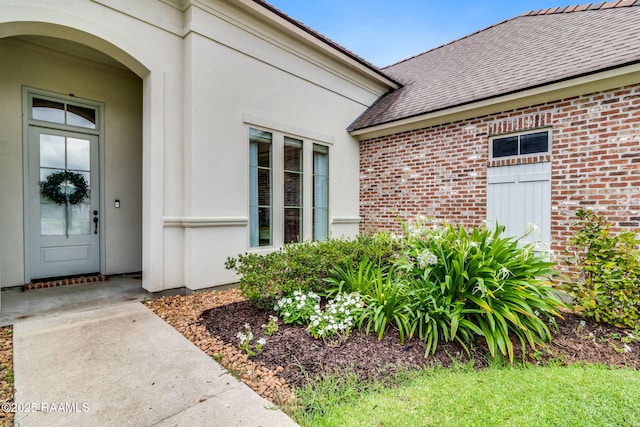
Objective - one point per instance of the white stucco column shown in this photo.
(152, 182)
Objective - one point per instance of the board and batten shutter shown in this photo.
(518, 196)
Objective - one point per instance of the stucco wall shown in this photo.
(121, 92)
(441, 171)
(207, 71)
(234, 80)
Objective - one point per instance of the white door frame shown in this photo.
(27, 93)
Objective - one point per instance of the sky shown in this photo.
(387, 31)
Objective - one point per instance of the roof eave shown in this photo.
(605, 79)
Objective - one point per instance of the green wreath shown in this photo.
(52, 188)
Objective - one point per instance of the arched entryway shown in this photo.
(68, 107)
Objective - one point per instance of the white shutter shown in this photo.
(520, 195)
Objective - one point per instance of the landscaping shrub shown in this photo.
(462, 284)
(303, 266)
(450, 284)
(608, 267)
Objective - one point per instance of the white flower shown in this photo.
(426, 258)
(261, 341)
(503, 273)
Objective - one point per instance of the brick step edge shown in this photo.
(64, 282)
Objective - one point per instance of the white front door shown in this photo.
(64, 236)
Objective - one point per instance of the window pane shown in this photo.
(81, 116)
(52, 151)
(292, 224)
(50, 111)
(292, 189)
(78, 154)
(292, 154)
(534, 143)
(264, 187)
(80, 218)
(503, 147)
(52, 219)
(320, 192)
(264, 215)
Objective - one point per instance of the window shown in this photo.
(63, 113)
(292, 190)
(288, 189)
(260, 175)
(520, 145)
(320, 192)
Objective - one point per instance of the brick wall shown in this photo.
(441, 171)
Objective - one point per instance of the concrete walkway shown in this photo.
(120, 364)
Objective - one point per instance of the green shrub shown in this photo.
(608, 265)
(303, 266)
(463, 284)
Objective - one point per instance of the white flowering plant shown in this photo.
(298, 307)
(466, 283)
(271, 327)
(338, 317)
(247, 344)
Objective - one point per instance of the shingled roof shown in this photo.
(534, 49)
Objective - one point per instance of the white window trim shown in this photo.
(277, 182)
(526, 132)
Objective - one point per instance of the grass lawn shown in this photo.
(499, 396)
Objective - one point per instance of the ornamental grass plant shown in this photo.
(448, 283)
(467, 283)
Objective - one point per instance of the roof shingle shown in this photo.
(531, 50)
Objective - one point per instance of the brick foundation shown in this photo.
(441, 171)
(64, 282)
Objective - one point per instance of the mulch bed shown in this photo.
(301, 357)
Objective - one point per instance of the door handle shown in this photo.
(95, 221)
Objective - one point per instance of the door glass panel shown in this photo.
(78, 154)
(50, 111)
(52, 219)
(52, 151)
(80, 219)
(58, 154)
(81, 116)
